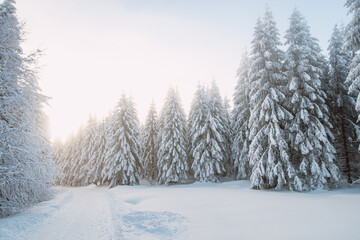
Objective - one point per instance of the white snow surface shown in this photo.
(227, 210)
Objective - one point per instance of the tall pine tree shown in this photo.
(95, 169)
(89, 146)
(123, 158)
(172, 154)
(75, 159)
(64, 163)
(352, 42)
(343, 105)
(150, 144)
(207, 139)
(312, 153)
(240, 121)
(268, 151)
(352, 36)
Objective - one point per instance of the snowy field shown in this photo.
(195, 211)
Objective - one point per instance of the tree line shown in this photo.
(293, 124)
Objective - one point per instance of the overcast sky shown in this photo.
(96, 49)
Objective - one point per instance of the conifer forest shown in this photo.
(291, 126)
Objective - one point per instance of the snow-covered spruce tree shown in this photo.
(343, 105)
(110, 131)
(240, 121)
(196, 121)
(312, 154)
(227, 106)
(207, 142)
(58, 148)
(220, 122)
(57, 153)
(88, 146)
(172, 154)
(352, 36)
(229, 164)
(66, 161)
(352, 43)
(25, 162)
(268, 150)
(123, 158)
(60, 160)
(95, 169)
(76, 161)
(321, 62)
(150, 144)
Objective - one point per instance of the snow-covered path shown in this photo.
(89, 213)
(79, 213)
(196, 211)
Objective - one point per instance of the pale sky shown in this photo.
(96, 49)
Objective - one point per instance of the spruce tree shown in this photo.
(95, 170)
(227, 106)
(312, 153)
(343, 105)
(172, 154)
(150, 144)
(229, 164)
(352, 36)
(219, 123)
(240, 121)
(123, 158)
(268, 151)
(196, 121)
(89, 146)
(57, 153)
(207, 140)
(352, 43)
(67, 160)
(76, 159)
(61, 162)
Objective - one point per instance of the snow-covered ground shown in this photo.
(195, 211)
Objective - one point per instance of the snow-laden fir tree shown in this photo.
(240, 121)
(352, 36)
(352, 43)
(123, 158)
(89, 153)
(172, 154)
(207, 140)
(196, 118)
(312, 154)
(220, 122)
(150, 144)
(227, 106)
(94, 171)
(229, 164)
(25, 162)
(58, 151)
(268, 150)
(63, 164)
(342, 105)
(76, 159)
(58, 147)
